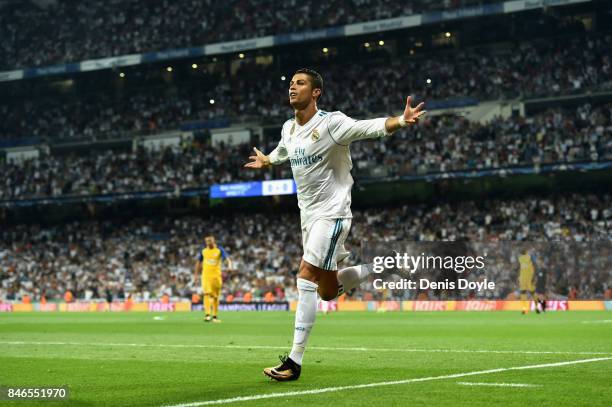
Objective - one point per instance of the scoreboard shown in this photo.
(253, 188)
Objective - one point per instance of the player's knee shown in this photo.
(328, 295)
(328, 291)
(308, 272)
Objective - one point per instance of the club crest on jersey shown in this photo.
(315, 135)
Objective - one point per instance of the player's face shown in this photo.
(210, 242)
(301, 93)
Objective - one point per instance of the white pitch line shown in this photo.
(380, 384)
(498, 384)
(281, 347)
(601, 321)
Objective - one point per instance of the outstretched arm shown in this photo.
(345, 130)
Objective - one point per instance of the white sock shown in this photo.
(304, 317)
(351, 277)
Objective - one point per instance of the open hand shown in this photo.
(411, 115)
(259, 160)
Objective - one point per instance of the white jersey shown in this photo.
(321, 161)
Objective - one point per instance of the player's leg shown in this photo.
(317, 273)
(305, 314)
(215, 299)
(532, 295)
(328, 285)
(308, 283)
(351, 277)
(215, 308)
(523, 287)
(207, 307)
(531, 299)
(206, 289)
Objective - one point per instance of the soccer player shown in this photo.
(209, 263)
(526, 275)
(316, 143)
(540, 285)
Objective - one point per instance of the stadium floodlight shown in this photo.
(325, 50)
(241, 55)
(428, 81)
(283, 78)
(121, 75)
(448, 34)
(169, 69)
(367, 45)
(194, 66)
(212, 101)
(381, 43)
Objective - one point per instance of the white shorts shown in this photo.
(323, 242)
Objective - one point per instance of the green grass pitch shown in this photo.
(106, 360)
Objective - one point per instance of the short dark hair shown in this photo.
(315, 78)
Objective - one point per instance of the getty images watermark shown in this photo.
(435, 269)
(403, 264)
(493, 270)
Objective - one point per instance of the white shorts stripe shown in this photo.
(332, 245)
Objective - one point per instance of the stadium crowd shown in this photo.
(38, 34)
(147, 258)
(255, 92)
(447, 143)
(438, 144)
(536, 68)
(170, 169)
